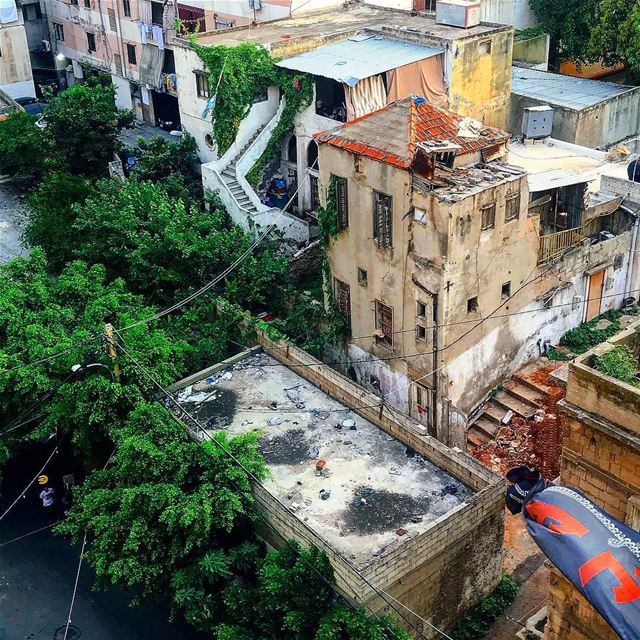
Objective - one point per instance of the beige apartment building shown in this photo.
(16, 79)
(454, 267)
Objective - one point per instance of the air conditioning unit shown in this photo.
(537, 122)
(458, 13)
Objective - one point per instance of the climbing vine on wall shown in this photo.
(236, 75)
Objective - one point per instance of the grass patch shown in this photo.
(619, 363)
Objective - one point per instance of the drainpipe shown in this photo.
(628, 283)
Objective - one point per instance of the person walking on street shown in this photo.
(46, 495)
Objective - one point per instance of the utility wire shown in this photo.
(30, 533)
(204, 431)
(13, 504)
(227, 271)
(75, 587)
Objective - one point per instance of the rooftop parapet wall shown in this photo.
(602, 395)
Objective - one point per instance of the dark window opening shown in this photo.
(91, 42)
(315, 193)
(31, 12)
(126, 7)
(472, 305)
(421, 333)
(58, 31)
(330, 101)
(131, 54)
(506, 290)
(202, 84)
(87, 4)
(292, 149)
(421, 310)
(488, 216)
(362, 277)
(312, 155)
(384, 324)
(74, 3)
(157, 12)
(169, 64)
(342, 204)
(343, 301)
(382, 222)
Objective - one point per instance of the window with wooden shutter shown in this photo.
(113, 25)
(343, 301)
(341, 202)
(382, 219)
(117, 58)
(512, 207)
(488, 216)
(384, 324)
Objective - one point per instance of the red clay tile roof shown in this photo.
(391, 134)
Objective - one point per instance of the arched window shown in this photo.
(312, 154)
(292, 149)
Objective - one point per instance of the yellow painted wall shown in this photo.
(481, 82)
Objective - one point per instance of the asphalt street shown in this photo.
(11, 224)
(37, 574)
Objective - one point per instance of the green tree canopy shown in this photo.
(22, 155)
(161, 246)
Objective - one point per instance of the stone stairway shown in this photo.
(518, 397)
(230, 178)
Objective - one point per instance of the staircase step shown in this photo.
(475, 439)
(520, 408)
(494, 413)
(488, 428)
(522, 391)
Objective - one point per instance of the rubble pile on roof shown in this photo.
(413, 122)
(359, 489)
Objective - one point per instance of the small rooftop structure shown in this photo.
(386, 502)
(358, 57)
(587, 112)
(415, 124)
(566, 91)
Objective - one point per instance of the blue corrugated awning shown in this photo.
(361, 57)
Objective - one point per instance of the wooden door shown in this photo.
(594, 297)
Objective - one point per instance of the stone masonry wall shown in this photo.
(601, 458)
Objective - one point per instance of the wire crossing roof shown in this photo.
(359, 57)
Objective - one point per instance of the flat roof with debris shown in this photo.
(348, 19)
(371, 494)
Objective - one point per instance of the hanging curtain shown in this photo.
(423, 78)
(144, 11)
(368, 95)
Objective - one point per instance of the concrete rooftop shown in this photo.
(375, 485)
(346, 20)
(564, 91)
(556, 158)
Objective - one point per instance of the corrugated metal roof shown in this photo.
(564, 91)
(554, 179)
(352, 60)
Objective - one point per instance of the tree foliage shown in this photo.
(161, 246)
(21, 149)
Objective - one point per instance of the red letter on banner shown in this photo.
(627, 591)
(564, 523)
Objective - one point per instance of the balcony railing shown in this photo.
(554, 244)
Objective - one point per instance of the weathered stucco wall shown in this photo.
(16, 79)
(602, 125)
(534, 51)
(480, 80)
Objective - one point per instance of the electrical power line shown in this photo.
(257, 480)
(75, 587)
(30, 533)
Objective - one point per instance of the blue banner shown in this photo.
(596, 552)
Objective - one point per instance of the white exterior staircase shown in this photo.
(227, 176)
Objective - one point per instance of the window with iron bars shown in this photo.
(382, 219)
(342, 204)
